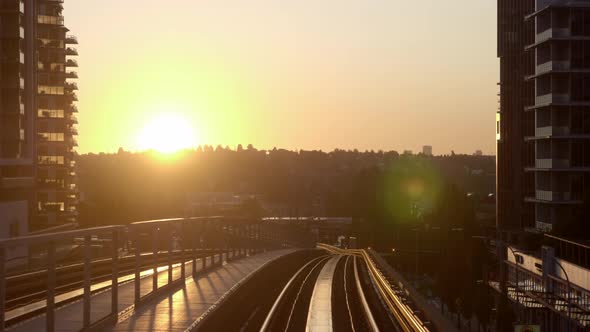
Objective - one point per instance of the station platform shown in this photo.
(174, 310)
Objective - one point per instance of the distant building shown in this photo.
(408, 152)
(427, 150)
(478, 153)
(37, 137)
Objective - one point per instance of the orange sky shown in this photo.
(305, 74)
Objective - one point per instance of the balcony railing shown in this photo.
(553, 196)
(552, 131)
(552, 33)
(71, 63)
(552, 163)
(551, 98)
(71, 74)
(71, 51)
(71, 39)
(48, 19)
(553, 65)
(71, 86)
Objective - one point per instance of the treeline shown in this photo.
(124, 187)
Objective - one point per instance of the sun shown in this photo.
(167, 133)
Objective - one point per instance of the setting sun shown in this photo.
(167, 134)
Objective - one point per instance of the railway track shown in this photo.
(290, 309)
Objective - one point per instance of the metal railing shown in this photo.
(51, 241)
(154, 245)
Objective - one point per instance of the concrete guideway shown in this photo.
(320, 309)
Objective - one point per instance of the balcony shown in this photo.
(71, 63)
(71, 40)
(553, 196)
(552, 163)
(551, 131)
(72, 119)
(71, 51)
(71, 74)
(551, 98)
(73, 108)
(552, 33)
(543, 226)
(72, 141)
(553, 66)
(71, 95)
(71, 86)
(50, 20)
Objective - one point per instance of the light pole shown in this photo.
(568, 289)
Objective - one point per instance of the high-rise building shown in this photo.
(562, 113)
(37, 136)
(16, 119)
(514, 154)
(55, 125)
(427, 150)
(544, 118)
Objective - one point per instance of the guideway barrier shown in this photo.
(189, 238)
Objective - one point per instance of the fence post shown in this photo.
(203, 229)
(2, 286)
(170, 249)
(155, 240)
(115, 275)
(50, 318)
(87, 261)
(194, 246)
(137, 279)
(181, 241)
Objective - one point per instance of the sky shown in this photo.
(294, 74)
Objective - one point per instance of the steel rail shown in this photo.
(368, 314)
(301, 289)
(274, 308)
(346, 292)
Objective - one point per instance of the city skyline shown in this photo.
(366, 83)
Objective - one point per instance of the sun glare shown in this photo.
(166, 134)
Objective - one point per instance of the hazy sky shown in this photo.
(297, 74)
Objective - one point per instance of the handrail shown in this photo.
(567, 241)
(22, 240)
(161, 239)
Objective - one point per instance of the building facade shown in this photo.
(37, 111)
(56, 117)
(561, 109)
(514, 154)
